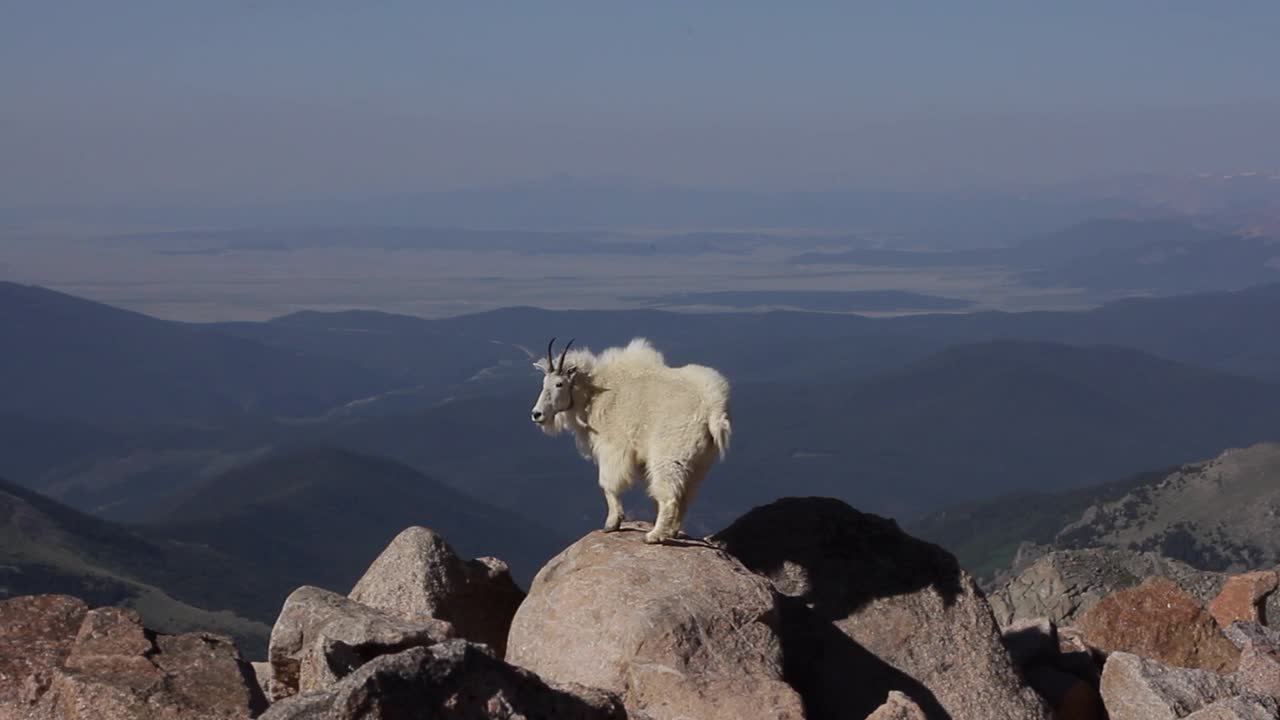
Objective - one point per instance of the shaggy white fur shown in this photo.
(636, 417)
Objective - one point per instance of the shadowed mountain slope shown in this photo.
(84, 360)
(318, 516)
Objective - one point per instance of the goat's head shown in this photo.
(557, 386)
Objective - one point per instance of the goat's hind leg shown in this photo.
(666, 485)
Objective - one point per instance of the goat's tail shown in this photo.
(721, 431)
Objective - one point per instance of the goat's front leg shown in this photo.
(613, 481)
(613, 520)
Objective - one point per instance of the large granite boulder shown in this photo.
(36, 634)
(321, 637)
(454, 680)
(118, 670)
(420, 576)
(1159, 620)
(870, 609)
(676, 630)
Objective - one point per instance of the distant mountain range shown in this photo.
(899, 415)
(71, 358)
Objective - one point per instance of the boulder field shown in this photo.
(803, 608)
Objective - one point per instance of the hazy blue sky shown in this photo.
(234, 102)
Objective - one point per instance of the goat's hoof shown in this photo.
(611, 527)
(654, 538)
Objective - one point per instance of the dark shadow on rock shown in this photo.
(828, 561)
(836, 558)
(457, 678)
(835, 676)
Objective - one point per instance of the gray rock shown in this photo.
(1247, 633)
(867, 601)
(1259, 671)
(321, 637)
(420, 576)
(677, 630)
(451, 680)
(1239, 708)
(1135, 688)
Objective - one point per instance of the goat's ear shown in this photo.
(571, 371)
(542, 364)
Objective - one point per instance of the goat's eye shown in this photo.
(560, 384)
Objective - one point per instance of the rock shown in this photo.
(1063, 585)
(1243, 598)
(419, 575)
(1135, 688)
(676, 630)
(1158, 620)
(1259, 671)
(1239, 708)
(1031, 641)
(868, 601)
(453, 679)
(38, 631)
(266, 678)
(1071, 697)
(898, 707)
(1244, 633)
(117, 670)
(321, 636)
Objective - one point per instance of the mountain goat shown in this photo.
(634, 416)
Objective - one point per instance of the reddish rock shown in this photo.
(117, 670)
(1071, 697)
(1081, 702)
(36, 633)
(1243, 598)
(1159, 620)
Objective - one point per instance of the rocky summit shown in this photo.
(803, 608)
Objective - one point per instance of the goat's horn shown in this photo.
(563, 353)
(551, 359)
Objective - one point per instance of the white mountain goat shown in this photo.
(634, 416)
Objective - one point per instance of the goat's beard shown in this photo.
(556, 425)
